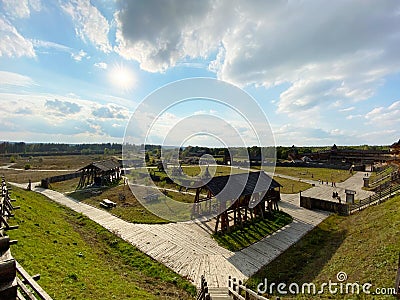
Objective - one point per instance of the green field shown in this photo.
(129, 209)
(44, 166)
(78, 259)
(314, 173)
(365, 246)
(290, 186)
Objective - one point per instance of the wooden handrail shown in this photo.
(397, 286)
(236, 289)
(203, 293)
(11, 270)
(32, 283)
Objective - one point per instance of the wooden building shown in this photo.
(250, 195)
(99, 173)
(395, 149)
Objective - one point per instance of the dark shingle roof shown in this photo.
(104, 165)
(240, 185)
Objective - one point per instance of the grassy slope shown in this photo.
(365, 246)
(78, 259)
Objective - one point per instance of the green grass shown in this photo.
(374, 175)
(314, 173)
(290, 186)
(239, 238)
(219, 170)
(56, 162)
(129, 209)
(65, 186)
(23, 176)
(364, 245)
(78, 259)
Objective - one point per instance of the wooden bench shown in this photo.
(107, 203)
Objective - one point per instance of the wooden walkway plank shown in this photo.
(187, 247)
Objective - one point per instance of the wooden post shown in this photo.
(216, 224)
(397, 287)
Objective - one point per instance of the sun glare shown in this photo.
(122, 77)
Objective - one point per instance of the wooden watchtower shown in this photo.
(249, 196)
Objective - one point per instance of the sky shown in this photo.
(322, 72)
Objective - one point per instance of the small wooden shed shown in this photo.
(100, 173)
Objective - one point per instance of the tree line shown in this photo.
(58, 148)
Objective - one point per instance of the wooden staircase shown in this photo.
(219, 293)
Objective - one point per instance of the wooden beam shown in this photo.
(41, 293)
(25, 290)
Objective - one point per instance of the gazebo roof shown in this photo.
(395, 145)
(103, 165)
(243, 184)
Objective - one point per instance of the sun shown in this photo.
(122, 77)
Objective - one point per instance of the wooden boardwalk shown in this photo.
(324, 191)
(187, 247)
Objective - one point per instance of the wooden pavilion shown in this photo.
(99, 173)
(250, 195)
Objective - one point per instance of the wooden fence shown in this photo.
(15, 282)
(383, 179)
(397, 286)
(203, 292)
(45, 183)
(315, 203)
(238, 291)
(8, 269)
(377, 198)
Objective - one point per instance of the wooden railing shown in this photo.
(376, 198)
(8, 270)
(384, 177)
(15, 282)
(203, 292)
(238, 291)
(397, 286)
(24, 280)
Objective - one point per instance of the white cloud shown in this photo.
(56, 118)
(336, 52)
(101, 65)
(14, 79)
(90, 24)
(351, 117)
(158, 35)
(20, 8)
(50, 45)
(385, 117)
(110, 112)
(347, 109)
(12, 43)
(62, 108)
(79, 55)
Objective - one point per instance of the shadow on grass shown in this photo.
(239, 238)
(303, 261)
